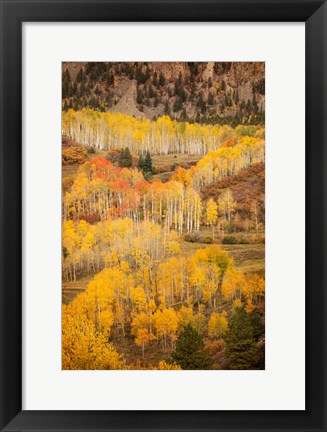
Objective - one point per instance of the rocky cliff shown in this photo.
(210, 92)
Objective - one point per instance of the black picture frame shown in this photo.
(13, 14)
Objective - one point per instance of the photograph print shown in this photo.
(163, 216)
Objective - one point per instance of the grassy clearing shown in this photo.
(170, 159)
(249, 258)
(71, 289)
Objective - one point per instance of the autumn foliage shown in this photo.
(156, 298)
(108, 130)
(149, 293)
(74, 155)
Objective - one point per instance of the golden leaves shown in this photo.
(83, 347)
(217, 324)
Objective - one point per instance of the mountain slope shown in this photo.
(207, 92)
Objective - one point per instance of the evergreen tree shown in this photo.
(151, 92)
(98, 91)
(183, 116)
(127, 69)
(155, 80)
(190, 353)
(66, 84)
(80, 76)
(156, 100)
(201, 103)
(93, 102)
(141, 77)
(147, 163)
(211, 99)
(257, 324)
(140, 164)
(193, 92)
(147, 73)
(74, 89)
(125, 160)
(139, 96)
(178, 104)
(167, 108)
(241, 347)
(162, 80)
(194, 68)
(255, 104)
(110, 79)
(178, 85)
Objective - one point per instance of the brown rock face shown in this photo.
(170, 70)
(242, 72)
(126, 103)
(73, 68)
(207, 92)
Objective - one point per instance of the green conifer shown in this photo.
(190, 353)
(125, 160)
(148, 163)
(241, 347)
(140, 164)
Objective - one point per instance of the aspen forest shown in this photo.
(163, 216)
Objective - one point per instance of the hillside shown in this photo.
(205, 92)
(248, 189)
(163, 216)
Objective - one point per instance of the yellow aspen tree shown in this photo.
(227, 204)
(212, 215)
(185, 315)
(166, 325)
(255, 213)
(249, 307)
(85, 348)
(217, 324)
(233, 285)
(143, 338)
(254, 288)
(163, 365)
